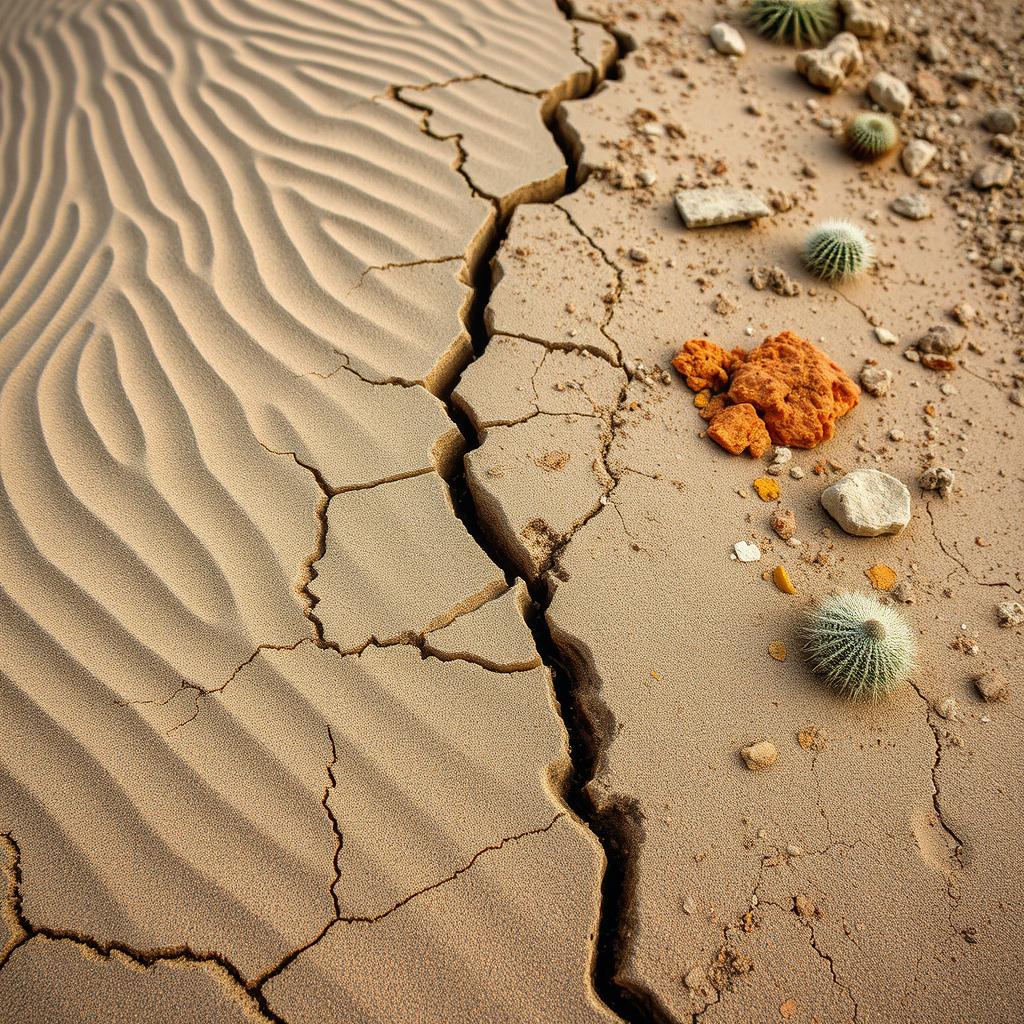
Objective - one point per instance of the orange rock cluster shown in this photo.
(785, 392)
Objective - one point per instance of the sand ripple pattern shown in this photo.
(226, 250)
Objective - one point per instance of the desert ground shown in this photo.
(378, 639)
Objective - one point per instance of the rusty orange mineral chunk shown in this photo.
(798, 390)
(704, 364)
(715, 405)
(738, 427)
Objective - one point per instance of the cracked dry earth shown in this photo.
(370, 646)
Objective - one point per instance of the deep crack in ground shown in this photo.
(618, 828)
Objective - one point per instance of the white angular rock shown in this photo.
(885, 337)
(868, 503)
(706, 207)
(889, 93)
(875, 381)
(913, 206)
(725, 39)
(746, 552)
(1010, 613)
(827, 69)
(916, 156)
(864, 19)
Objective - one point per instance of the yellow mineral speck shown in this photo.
(782, 580)
(702, 398)
(881, 576)
(767, 488)
(777, 650)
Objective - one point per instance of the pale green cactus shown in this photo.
(800, 22)
(861, 647)
(837, 250)
(870, 136)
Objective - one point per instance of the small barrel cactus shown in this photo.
(800, 22)
(859, 646)
(837, 250)
(870, 136)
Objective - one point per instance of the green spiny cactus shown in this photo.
(837, 250)
(870, 136)
(859, 646)
(800, 22)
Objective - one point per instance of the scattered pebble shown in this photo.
(991, 686)
(776, 279)
(947, 709)
(937, 478)
(868, 503)
(828, 68)
(812, 738)
(777, 650)
(902, 593)
(759, 756)
(875, 381)
(964, 313)
(916, 156)
(797, 473)
(1010, 613)
(865, 20)
(746, 552)
(639, 255)
(885, 337)
(890, 93)
(725, 39)
(913, 206)
(767, 488)
(993, 174)
(782, 581)
(882, 577)
(783, 522)
(1001, 121)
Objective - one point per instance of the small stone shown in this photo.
(783, 522)
(1010, 613)
(864, 19)
(777, 650)
(1001, 121)
(875, 381)
(896, 435)
(794, 851)
(812, 738)
(767, 488)
(916, 156)
(933, 50)
(929, 88)
(941, 340)
(725, 39)
(776, 279)
(885, 337)
(653, 130)
(902, 593)
(781, 455)
(827, 69)
(759, 756)
(647, 176)
(991, 686)
(804, 906)
(964, 313)
(913, 206)
(797, 473)
(868, 503)
(746, 552)
(638, 255)
(890, 93)
(707, 207)
(689, 905)
(993, 174)
(881, 577)
(947, 709)
(937, 478)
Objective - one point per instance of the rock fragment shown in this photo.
(929, 88)
(916, 156)
(885, 337)
(993, 174)
(744, 551)
(913, 206)
(991, 686)
(776, 279)
(864, 19)
(1010, 613)
(759, 756)
(890, 93)
(1001, 121)
(947, 709)
(868, 503)
(737, 428)
(933, 50)
(937, 478)
(798, 390)
(783, 522)
(936, 347)
(704, 364)
(725, 39)
(875, 381)
(828, 68)
(708, 207)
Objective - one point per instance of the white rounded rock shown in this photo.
(868, 503)
(727, 40)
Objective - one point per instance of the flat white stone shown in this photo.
(746, 552)
(706, 207)
(725, 39)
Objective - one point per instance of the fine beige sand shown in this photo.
(370, 648)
